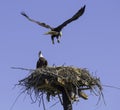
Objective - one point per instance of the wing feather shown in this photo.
(39, 23)
(74, 17)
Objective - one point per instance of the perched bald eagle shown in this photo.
(42, 62)
(56, 32)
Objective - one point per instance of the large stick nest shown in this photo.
(52, 80)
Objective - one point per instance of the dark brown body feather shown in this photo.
(42, 62)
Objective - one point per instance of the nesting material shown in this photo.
(51, 81)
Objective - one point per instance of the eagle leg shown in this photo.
(52, 38)
(58, 40)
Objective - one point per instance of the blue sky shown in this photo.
(91, 42)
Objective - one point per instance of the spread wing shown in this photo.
(74, 17)
(39, 23)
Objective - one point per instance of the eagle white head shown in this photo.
(60, 34)
(40, 54)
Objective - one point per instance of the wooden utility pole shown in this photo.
(67, 105)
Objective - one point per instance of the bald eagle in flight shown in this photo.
(42, 62)
(56, 32)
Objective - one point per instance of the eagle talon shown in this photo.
(58, 41)
(53, 42)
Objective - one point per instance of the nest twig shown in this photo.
(51, 80)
